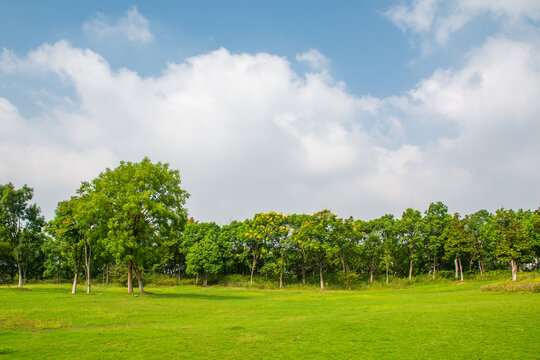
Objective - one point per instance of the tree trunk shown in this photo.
(371, 274)
(303, 269)
(138, 274)
(205, 279)
(514, 265)
(343, 265)
(480, 267)
(386, 274)
(321, 275)
(434, 266)
(19, 267)
(74, 287)
(410, 268)
(180, 263)
(107, 274)
(197, 278)
(87, 258)
(281, 271)
(253, 269)
(456, 265)
(130, 277)
(460, 269)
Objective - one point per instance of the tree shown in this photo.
(512, 242)
(317, 232)
(435, 223)
(384, 228)
(68, 235)
(410, 231)
(140, 205)
(20, 224)
(477, 226)
(204, 258)
(457, 241)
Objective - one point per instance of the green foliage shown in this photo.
(21, 226)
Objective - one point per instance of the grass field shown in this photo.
(442, 321)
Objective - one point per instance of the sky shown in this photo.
(365, 108)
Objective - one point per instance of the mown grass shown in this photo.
(440, 321)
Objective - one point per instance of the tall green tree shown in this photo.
(140, 205)
(204, 257)
(477, 225)
(512, 243)
(436, 221)
(21, 225)
(409, 228)
(317, 232)
(68, 237)
(458, 242)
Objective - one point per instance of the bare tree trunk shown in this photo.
(321, 275)
(205, 279)
(456, 265)
(87, 258)
(281, 271)
(138, 274)
(197, 278)
(130, 276)
(107, 274)
(480, 267)
(253, 269)
(74, 287)
(371, 274)
(460, 269)
(410, 268)
(180, 263)
(343, 265)
(303, 269)
(19, 267)
(434, 266)
(514, 265)
(387, 274)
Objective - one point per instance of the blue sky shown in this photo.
(362, 107)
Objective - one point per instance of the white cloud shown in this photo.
(132, 25)
(439, 19)
(314, 58)
(249, 134)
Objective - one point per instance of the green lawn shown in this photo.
(435, 321)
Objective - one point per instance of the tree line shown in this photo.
(134, 217)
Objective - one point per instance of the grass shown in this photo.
(440, 321)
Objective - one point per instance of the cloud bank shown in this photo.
(249, 134)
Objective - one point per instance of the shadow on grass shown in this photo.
(195, 296)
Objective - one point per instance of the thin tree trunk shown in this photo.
(513, 263)
(460, 269)
(321, 275)
(138, 274)
(74, 287)
(434, 266)
(456, 265)
(410, 268)
(19, 267)
(281, 271)
(371, 274)
(387, 274)
(253, 269)
(480, 267)
(180, 263)
(303, 269)
(107, 274)
(87, 259)
(130, 276)
(343, 265)
(205, 279)
(197, 278)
